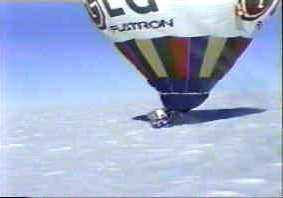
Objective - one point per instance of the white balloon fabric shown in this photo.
(124, 20)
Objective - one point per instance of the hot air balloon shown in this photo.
(182, 48)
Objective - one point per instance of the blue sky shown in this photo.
(51, 54)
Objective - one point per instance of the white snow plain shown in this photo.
(230, 146)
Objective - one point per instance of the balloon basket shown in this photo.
(160, 118)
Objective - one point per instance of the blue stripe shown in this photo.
(197, 53)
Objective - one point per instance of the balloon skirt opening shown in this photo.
(182, 103)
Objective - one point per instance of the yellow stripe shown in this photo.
(148, 50)
(213, 52)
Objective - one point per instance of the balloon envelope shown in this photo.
(183, 48)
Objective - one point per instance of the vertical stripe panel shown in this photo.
(214, 49)
(148, 50)
(126, 50)
(143, 61)
(162, 46)
(197, 53)
(232, 51)
(179, 48)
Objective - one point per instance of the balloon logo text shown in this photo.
(253, 9)
(95, 10)
(96, 13)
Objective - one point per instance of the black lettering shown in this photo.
(152, 7)
(155, 24)
(167, 23)
(133, 26)
(143, 24)
(113, 12)
(124, 27)
(114, 27)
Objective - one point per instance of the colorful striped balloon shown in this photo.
(184, 68)
(183, 48)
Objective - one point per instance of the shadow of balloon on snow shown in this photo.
(202, 116)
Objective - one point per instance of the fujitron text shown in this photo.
(142, 25)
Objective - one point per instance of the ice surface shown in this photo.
(222, 149)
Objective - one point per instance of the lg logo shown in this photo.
(253, 9)
(95, 10)
(96, 13)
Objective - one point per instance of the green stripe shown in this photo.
(162, 46)
(231, 52)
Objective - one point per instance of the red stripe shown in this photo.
(179, 48)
